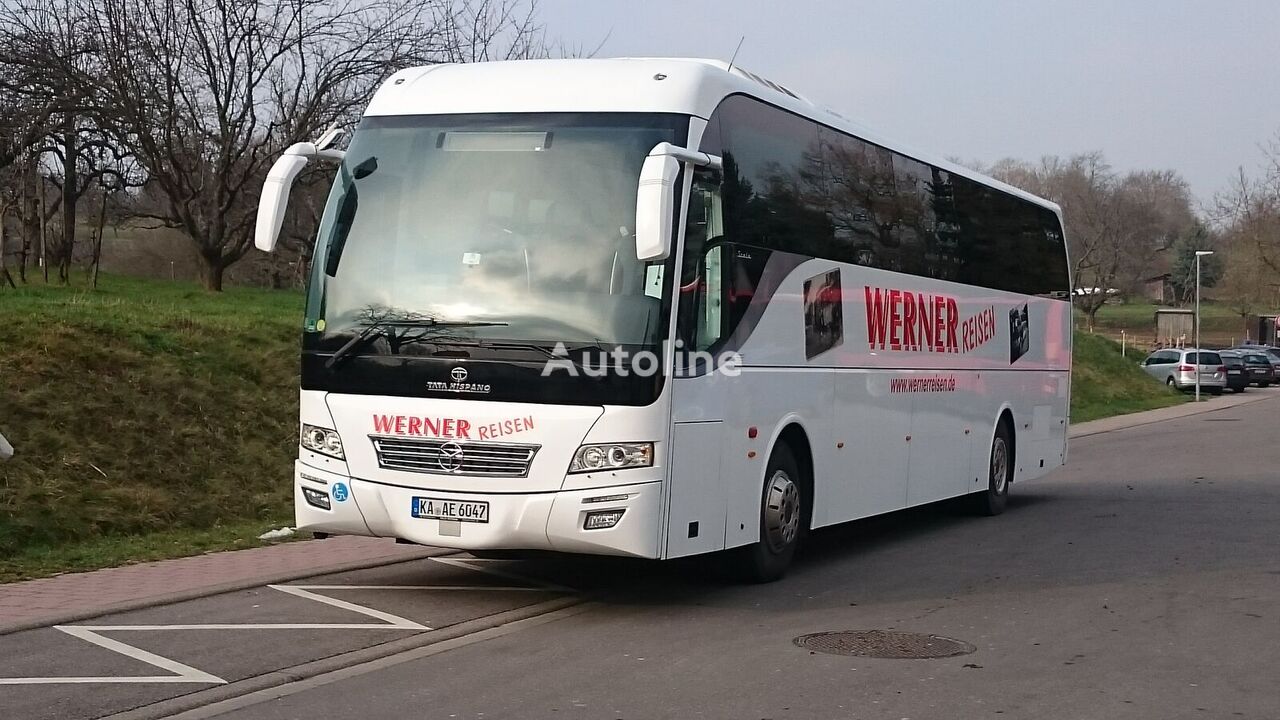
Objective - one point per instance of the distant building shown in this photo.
(1175, 327)
(1159, 289)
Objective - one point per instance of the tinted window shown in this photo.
(1205, 358)
(772, 178)
(791, 184)
(1256, 359)
(1233, 361)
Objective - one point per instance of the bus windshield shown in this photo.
(512, 227)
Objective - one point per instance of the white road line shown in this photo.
(182, 673)
(258, 626)
(187, 674)
(396, 620)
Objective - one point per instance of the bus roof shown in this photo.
(687, 86)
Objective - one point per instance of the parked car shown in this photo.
(1237, 373)
(1260, 365)
(1271, 352)
(1178, 367)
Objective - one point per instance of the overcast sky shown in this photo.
(1192, 85)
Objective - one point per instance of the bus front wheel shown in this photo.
(999, 474)
(782, 514)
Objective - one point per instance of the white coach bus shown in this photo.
(661, 307)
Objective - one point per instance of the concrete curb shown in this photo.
(233, 586)
(260, 688)
(1138, 419)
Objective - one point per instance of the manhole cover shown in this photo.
(884, 644)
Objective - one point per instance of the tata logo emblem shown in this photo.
(450, 457)
(458, 383)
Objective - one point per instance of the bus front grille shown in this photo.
(449, 457)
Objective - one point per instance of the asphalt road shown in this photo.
(1142, 581)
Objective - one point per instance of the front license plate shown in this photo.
(439, 509)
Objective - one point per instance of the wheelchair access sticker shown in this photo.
(340, 492)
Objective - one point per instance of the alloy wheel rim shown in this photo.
(781, 511)
(999, 466)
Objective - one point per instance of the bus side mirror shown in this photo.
(656, 198)
(655, 204)
(274, 200)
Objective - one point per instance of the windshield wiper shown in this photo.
(387, 327)
(505, 345)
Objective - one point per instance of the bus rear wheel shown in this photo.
(782, 513)
(992, 501)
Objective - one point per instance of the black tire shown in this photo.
(1169, 382)
(992, 501)
(783, 509)
(1263, 385)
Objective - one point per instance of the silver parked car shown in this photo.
(1178, 367)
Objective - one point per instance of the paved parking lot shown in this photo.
(131, 659)
(1142, 581)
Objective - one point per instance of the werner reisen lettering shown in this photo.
(905, 320)
(413, 425)
(923, 322)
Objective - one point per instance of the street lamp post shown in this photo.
(1199, 254)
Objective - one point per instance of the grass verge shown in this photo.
(1104, 383)
(143, 409)
(112, 551)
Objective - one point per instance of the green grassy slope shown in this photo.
(143, 407)
(1103, 383)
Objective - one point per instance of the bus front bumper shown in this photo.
(535, 521)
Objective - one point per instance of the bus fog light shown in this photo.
(611, 456)
(322, 440)
(315, 498)
(602, 520)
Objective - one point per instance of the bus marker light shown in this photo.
(602, 520)
(606, 498)
(839, 446)
(752, 432)
(751, 453)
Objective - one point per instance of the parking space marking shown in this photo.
(181, 673)
(187, 674)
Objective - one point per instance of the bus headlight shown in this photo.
(611, 456)
(323, 441)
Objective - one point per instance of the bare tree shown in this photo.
(206, 93)
(1115, 224)
(50, 62)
